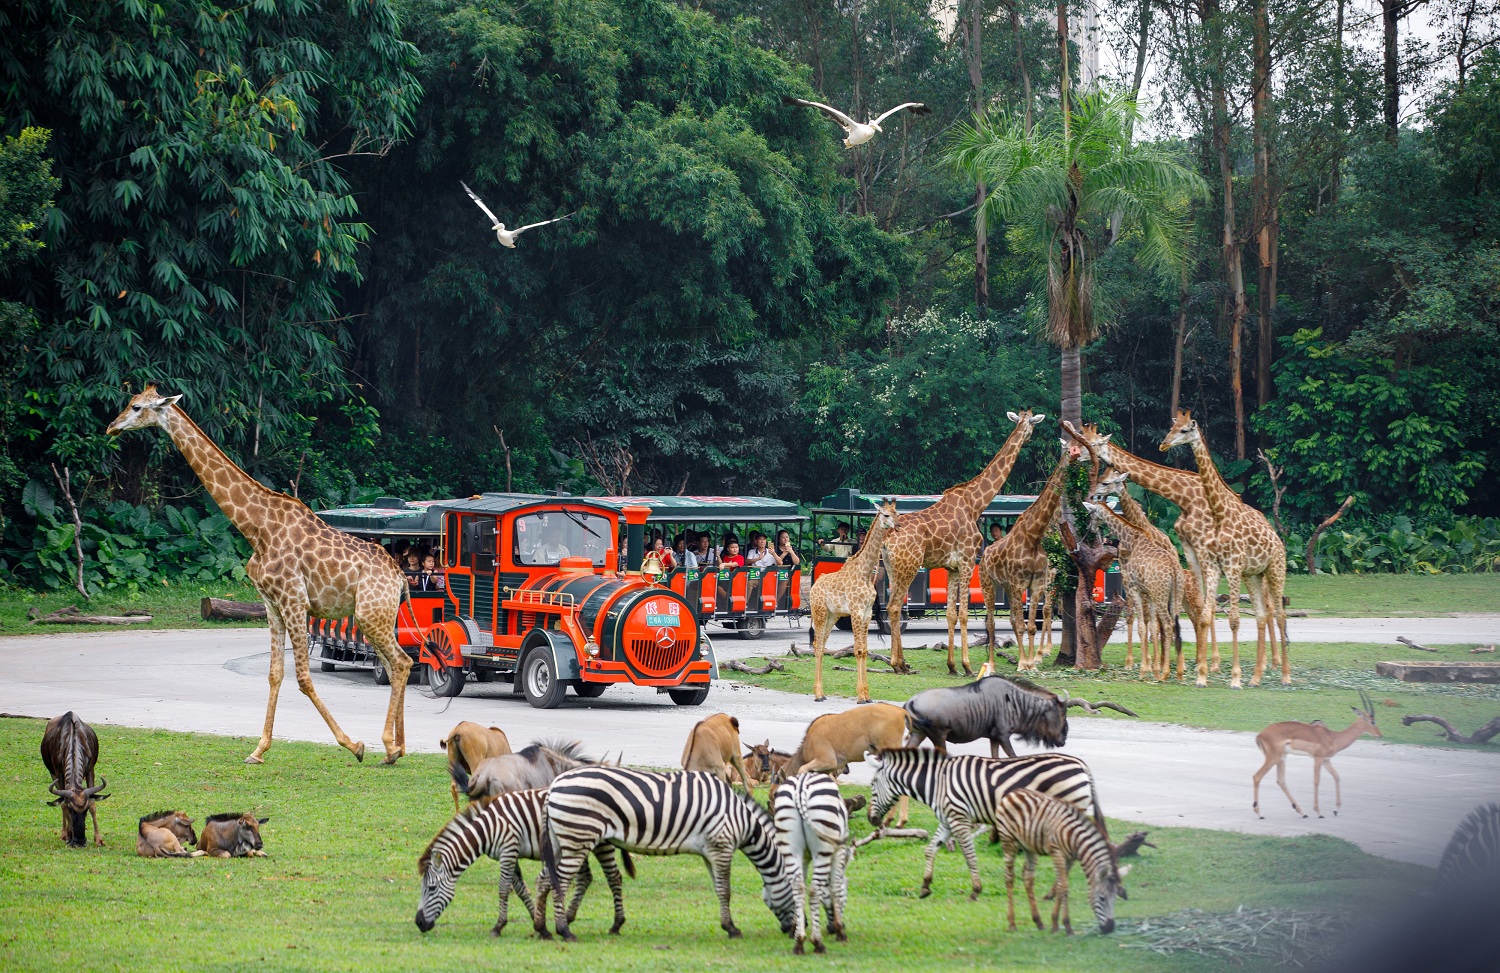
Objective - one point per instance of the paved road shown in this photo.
(1402, 802)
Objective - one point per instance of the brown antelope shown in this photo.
(713, 747)
(232, 836)
(70, 749)
(468, 744)
(766, 765)
(1319, 743)
(836, 740)
(166, 834)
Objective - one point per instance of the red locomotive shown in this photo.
(533, 594)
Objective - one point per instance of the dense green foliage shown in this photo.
(259, 207)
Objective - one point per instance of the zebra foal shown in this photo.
(964, 791)
(662, 814)
(812, 823)
(1036, 824)
(507, 827)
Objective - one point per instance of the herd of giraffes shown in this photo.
(1221, 536)
(302, 567)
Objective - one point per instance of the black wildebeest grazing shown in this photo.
(533, 766)
(994, 707)
(70, 749)
(232, 836)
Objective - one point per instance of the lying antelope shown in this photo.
(232, 836)
(1319, 743)
(166, 834)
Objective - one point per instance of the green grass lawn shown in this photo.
(1354, 595)
(1326, 679)
(174, 606)
(339, 889)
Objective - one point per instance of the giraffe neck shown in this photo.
(240, 496)
(1221, 499)
(1035, 519)
(1135, 515)
(977, 493)
(868, 556)
(1178, 486)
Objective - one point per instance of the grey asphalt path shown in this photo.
(1401, 802)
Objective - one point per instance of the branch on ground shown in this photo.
(1094, 708)
(1413, 645)
(1132, 845)
(735, 665)
(1482, 735)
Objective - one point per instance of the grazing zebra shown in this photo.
(813, 824)
(964, 790)
(506, 827)
(1032, 822)
(1473, 853)
(662, 814)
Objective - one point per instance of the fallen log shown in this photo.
(1132, 845)
(1482, 735)
(879, 833)
(1412, 645)
(855, 803)
(1481, 648)
(224, 610)
(72, 616)
(1094, 708)
(735, 665)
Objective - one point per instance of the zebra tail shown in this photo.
(549, 862)
(627, 863)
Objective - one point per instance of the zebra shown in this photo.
(964, 790)
(812, 823)
(1032, 822)
(1473, 853)
(662, 814)
(506, 827)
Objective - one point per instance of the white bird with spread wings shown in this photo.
(506, 237)
(856, 133)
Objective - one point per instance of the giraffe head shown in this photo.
(1110, 485)
(149, 408)
(1092, 439)
(885, 513)
(1184, 431)
(1026, 422)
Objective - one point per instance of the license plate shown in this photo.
(663, 621)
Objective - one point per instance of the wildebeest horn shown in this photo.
(91, 791)
(60, 793)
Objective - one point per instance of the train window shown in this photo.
(548, 537)
(450, 541)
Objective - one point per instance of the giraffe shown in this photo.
(1017, 563)
(946, 535)
(1195, 525)
(1192, 596)
(1244, 546)
(850, 591)
(1153, 583)
(300, 565)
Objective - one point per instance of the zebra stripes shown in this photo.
(812, 824)
(663, 814)
(507, 828)
(1473, 853)
(1032, 822)
(963, 791)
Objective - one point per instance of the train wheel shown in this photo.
(382, 678)
(688, 697)
(539, 680)
(445, 681)
(751, 628)
(590, 690)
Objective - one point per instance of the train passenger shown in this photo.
(996, 532)
(663, 554)
(732, 557)
(761, 555)
(786, 555)
(430, 579)
(702, 554)
(729, 538)
(413, 565)
(843, 544)
(679, 549)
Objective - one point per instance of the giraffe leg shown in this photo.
(861, 656)
(822, 620)
(1033, 650)
(1257, 603)
(295, 620)
(1276, 587)
(1017, 628)
(987, 588)
(899, 582)
(1210, 585)
(958, 611)
(379, 628)
(950, 618)
(278, 671)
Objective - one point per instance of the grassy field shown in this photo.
(170, 607)
(1326, 679)
(1354, 595)
(339, 889)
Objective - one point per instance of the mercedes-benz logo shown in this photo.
(665, 638)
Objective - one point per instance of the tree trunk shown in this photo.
(1015, 32)
(1340, 120)
(1234, 275)
(1177, 344)
(981, 226)
(1062, 48)
(1072, 385)
(1390, 15)
(224, 610)
(1267, 211)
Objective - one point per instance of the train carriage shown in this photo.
(741, 599)
(536, 593)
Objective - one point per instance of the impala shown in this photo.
(1318, 742)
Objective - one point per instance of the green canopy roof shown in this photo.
(698, 510)
(850, 501)
(388, 517)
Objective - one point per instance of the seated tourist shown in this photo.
(729, 538)
(786, 556)
(841, 545)
(761, 555)
(430, 578)
(413, 565)
(701, 554)
(996, 532)
(663, 554)
(732, 557)
(679, 549)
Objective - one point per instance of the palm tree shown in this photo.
(1066, 190)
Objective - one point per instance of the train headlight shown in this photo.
(592, 648)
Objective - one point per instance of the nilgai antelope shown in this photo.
(532, 766)
(993, 708)
(1319, 743)
(835, 741)
(713, 747)
(662, 814)
(69, 750)
(1032, 822)
(467, 744)
(232, 836)
(166, 834)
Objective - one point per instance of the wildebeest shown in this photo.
(765, 765)
(533, 766)
(836, 740)
(232, 836)
(166, 834)
(70, 749)
(994, 707)
(713, 747)
(468, 744)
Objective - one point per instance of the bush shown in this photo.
(1396, 545)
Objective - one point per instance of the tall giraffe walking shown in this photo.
(946, 535)
(300, 566)
(850, 591)
(1245, 548)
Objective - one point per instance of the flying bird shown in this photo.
(856, 133)
(506, 237)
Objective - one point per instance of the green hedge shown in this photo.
(1396, 545)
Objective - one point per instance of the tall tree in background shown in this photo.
(1267, 210)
